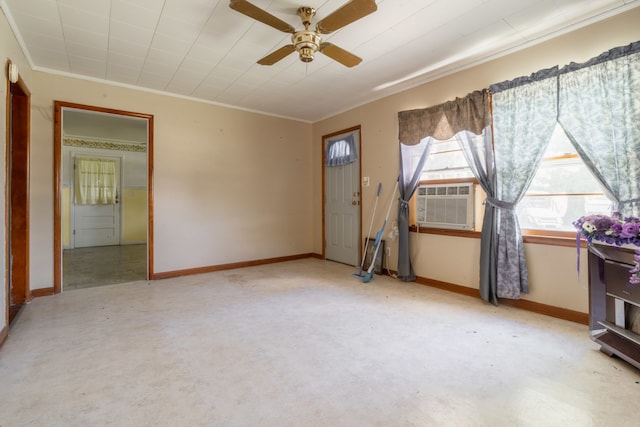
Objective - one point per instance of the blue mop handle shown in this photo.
(379, 188)
(379, 234)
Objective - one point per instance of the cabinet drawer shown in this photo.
(617, 282)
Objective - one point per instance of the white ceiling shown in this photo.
(202, 49)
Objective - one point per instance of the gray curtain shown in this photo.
(478, 150)
(599, 109)
(412, 159)
(417, 129)
(524, 116)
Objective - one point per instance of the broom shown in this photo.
(376, 243)
(366, 246)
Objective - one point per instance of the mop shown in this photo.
(376, 243)
(366, 246)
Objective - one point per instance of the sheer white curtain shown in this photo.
(96, 181)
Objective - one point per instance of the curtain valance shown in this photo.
(524, 80)
(610, 55)
(445, 120)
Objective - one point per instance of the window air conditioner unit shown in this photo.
(445, 206)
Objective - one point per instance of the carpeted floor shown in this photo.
(302, 343)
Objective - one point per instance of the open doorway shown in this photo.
(103, 204)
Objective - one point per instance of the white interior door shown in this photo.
(98, 225)
(342, 209)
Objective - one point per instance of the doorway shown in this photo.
(106, 239)
(17, 198)
(341, 189)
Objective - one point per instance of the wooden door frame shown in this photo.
(57, 184)
(324, 195)
(18, 119)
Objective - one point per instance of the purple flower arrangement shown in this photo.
(614, 230)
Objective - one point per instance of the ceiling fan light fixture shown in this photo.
(306, 54)
(306, 43)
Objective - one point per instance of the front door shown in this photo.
(342, 205)
(97, 224)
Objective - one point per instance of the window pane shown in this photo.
(445, 161)
(559, 144)
(562, 190)
(558, 212)
(439, 146)
(566, 176)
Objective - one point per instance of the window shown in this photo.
(446, 169)
(562, 190)
(445, 162)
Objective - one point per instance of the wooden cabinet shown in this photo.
(614, 303)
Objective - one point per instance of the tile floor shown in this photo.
(302, 343)
(103, 265)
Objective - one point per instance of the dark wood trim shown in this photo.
(450, 181)
(57, 184)
(317, 256)
(445, 232)
(230, 266)
(536, 238)
(4, 333)
(322, 157)
(549, 310)
(7, 297)
(150, 243)
(42, 292)
(553, 241)
(17, 226)
(536, 307)
(458, 289)
(57, 197)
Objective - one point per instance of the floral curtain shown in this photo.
(417, 130)
(599, 109)
(524, 116)
(340, 152)
(95, 181)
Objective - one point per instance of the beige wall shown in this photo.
(134, 212)
(229, 185)
(553, 277)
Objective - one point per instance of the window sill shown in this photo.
(533, 237)
(564, 239)
(445, 232)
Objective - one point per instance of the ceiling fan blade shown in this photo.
(338, 54)
(258, 14)
(348, 13)
(276, 56)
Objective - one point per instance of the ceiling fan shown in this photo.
(307, 42)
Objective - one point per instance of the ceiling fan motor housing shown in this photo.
(306, 43)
